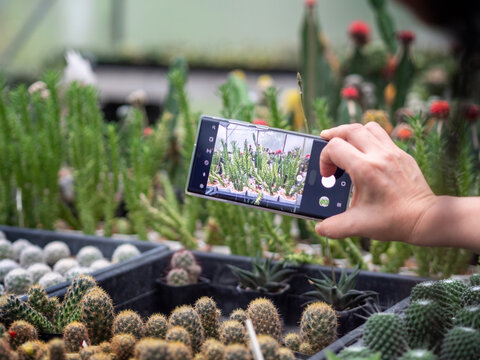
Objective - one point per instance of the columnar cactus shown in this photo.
(318, 325)
(239, 315)
(469, 317)
(269, 347)
(6, 249)
(124, 252)
(123, 346)
(213, 350)
(184, 259)
(74, 335)
(87, 255)
(187, 317)
(97, 315)
(20, 332)
(51, 279)
(129, 322)
(178, 277)
(232, 332)
(179, 351)
(461, 343)
(292, 341)
(39, 301)
(38, 270)
(18, 281)
(55, 251)
(63, 265)
(151, 349)
(424, 324)
(179, 334)
(56, 350)
(418, 354)
(471, 296)
(285, 354)
(209, 313)
(31, 255)
(7, 265)
(18, 246)
(156, 326)
(237, 352)
(265, 318)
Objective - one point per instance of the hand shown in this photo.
(390, 193)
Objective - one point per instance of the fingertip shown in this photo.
(325, 133)
(318, 227)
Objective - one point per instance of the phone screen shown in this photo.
(266, 168)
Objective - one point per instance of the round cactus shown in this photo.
(475, 279)
(292, 341)
(21, 331)
(265, 318)
(124, 252)
(55, 251)
(87, 255)
(178, 277)
(51, 279)
(6, 249)
(469, 317)
(209, 313)
(424, 324)
(232, 332)
(105, 347)
(6, 350)
(269, 347)
(355, 352)
(2, 235)
(418, 354)
(179, 351)
(285, 354)
(76, 271)
(156, 326)
(237, 352)
(151, 349)
(31, 255)
(38, 270)
(129, 322)
(34, 349)
(187, 317)
(18, 281)
(184, 259)
(99, 264)
(306, 348)
(179, 334)
(97, 315)
(18, 246)
(56, 349)
(63, 265)
(471, 296)
(461, 343)
(7, 265)
(123, 346)
(318, 325)
(74, 335)
(239, 315)
(213, 350)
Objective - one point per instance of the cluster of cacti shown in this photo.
(184, 269)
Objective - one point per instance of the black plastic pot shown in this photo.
(169, 296)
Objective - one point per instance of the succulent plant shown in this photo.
(56, 350)
(100, 264)
(213, 350)
(341, 295)
(18, 246)
(156, 326)
(184, 259)
(461, 343)
(97, 315)
(468, 316)
(39, 301)
(21, 331)
(178, 334)
(63, 265)
(239, 315)
(55, 251)
(34, 349)
(51, 279)
(88, 352)
(419, 354)
(424, 324)
(232, 332)
(318, 325)
(77, 271)
(6, 351)
(74, 335)
(265, 277)
(306, 348)
(292, 341)
(6, 249)
(475, 279)
(237, 352)
(129, 322)
(123, 346)
(187, 317)
(124, 252)
(179, 351)
(38, 270)
(269, 347)
(31, 255)
(105, 347)
(7, 265)
(209, 314)
(151, 349)
(178, 277)
(471, 296)
(355, 352)
(285, 354)
(88, 254)
(17, 281)
(265, 318)
(386, 333)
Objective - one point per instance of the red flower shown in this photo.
(12, 334)
(440, 109)
(310, 3)
(359, 31)
(390, 67)
(404, 133)
(147, 131)
(260, 122)
(406, 37)
(278, 151)
(350, 93)
(471, 113)
(308, 156)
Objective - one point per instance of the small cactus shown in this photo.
(77, 271)
(39, 301)
(418, 354)
(179, 351)
(97, 315)
(269, 347)
(63, 265)
(105, 347)
(237, 352)
(129, 322)
(151, 349)
(20, 332)
(468, 317)
(88, 254)
(18, 281)
(386, 333)
(184, 259)
(7, 265)
(56, 350)
(424, 324)
(178, 277)
(306, 348)
(187, 317)
(355, 352)
(232, 332)
(471, 296)
(55, 251)
(31, 255)
(461, 343)
(18, 246)
(38, 270)
(239, 315)
(124, 252)
(156, 326)
(123, 346)
(318, 325)
(51, 279)
(292, 341)
(6, 249)
(209, 313)
(285, 354)
(74, 335)
(475, 279)
(31, 350)
(99, 264)
(179, 334)
(265, 318)
(213, 350)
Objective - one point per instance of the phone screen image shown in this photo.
(265, 167)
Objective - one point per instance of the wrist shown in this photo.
(426, 220)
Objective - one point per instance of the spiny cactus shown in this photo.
(306, 348)
(105, 347)
(178, 277)
(38, 270)
(100, 264)
(18, 246)
(179, 351)
(424, 324)
(29, 350)
(156, 326)
(88, 352)
(239, 315)
(56, 350)
(55, 251)
(39, 301)
(386, 333)
(469, 317)
(88, 254)
(21, 331)
(6, 352)
(187, 317)
(461, 343)
(7, 265)
(184, 259)
(237, 352)
(129, 322)
(265, 318)
(355, 352)
(74, 356)
(209, 313)
(97, 315)
(269, 347)
(63, 265)
(292, 341)
(51, 279)
(74, 335)
(123, 346)
(456, 288)
(318, 325)
(232, 332)
(6, 249)
(213, 350)
(471, 296)
(124, 252)
(285, 354)
(31, 255)
(475, 279)
(77, 271)
(419, 354)
(151, 349)
(18, 281)
(179, 334)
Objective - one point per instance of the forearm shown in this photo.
(450, 221)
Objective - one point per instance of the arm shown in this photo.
(392, 200)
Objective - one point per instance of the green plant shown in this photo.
(39, 300)
(424, 324)
(232, 332)
(187, 317)
(475, 279)
(6, 249)
(213, 350)
(209, 316)
(318, 325)
(34, 349)
(74, 335)
(123, 346)
(285, 354)
(355, 352)
(418, 354)
(51, 279)
(184, 259)
(55, 251)
(342, 295)
(20, 332)
(178, 277)
(468, 316)
(151, 349)
(31, 255)
(88, 255)
(265, 318)
(471, 296)
(97, 314)
(237, 352)
(461, 343)
(38, 270)
(128, 322)
(239, 315)
(306, 348)
(124, 252)
(7, 265)
(18, 281)
(292, 341)
(179, 334)
(269, 347)
(156, 326)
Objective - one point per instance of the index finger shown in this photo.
(339, 153)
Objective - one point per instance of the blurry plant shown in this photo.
(235, 100)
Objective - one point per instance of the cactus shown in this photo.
(151, 349)
(232, 332)
(6, 352)
(424, 324)
(469, 317)
(39, 301)
(7, 265)
(123, 346)
(129, 322)
(179, 334)
(63, 265)
(471, 296)
(386, 333)
(355, 352)
(6, 249)
(475, 279)
(239, 315)
(31, 255)
(56, 350)
(74, 356)
(87, 255)
(18, 246)
(105, 347)
(100, 264)
(32, 350)
(97, 315)
(292, 341)
(209, 313)
(318, 325)
(306, 348)
(156, 326)
(178, 277)
(179, 351)
(187, 317)
(38, 270)
(18, 281)
(237, 352)
(77, 271)
(51, 279)
(55, 251)
(265, 318)
(213, 350)
(461, 343)
(74, 334)
(285, 354)
(418, 354)
(269, 347)
(184, 259)
(124, 252)
(21, 331)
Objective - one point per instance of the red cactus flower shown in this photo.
(404, 133)
(308, 156)
(12, 334)
(350, 93)
(147, 131)
(440, 109)
(310, 3)
(390, 67)
(359, 31)
(260, 122)
(472, 112)
(406, 37)
(278, 151)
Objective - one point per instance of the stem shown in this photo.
(332, 266)
(300, 86)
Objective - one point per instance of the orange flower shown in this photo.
(350, 93)
(147, 131)
(359, 31)
(440, 109)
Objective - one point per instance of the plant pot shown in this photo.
(266, 196)
(46, 337)
(223, 189)
(252, 194)
(285, 200)
(299, 200)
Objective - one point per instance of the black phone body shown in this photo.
(265, 168)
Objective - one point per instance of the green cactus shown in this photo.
(39, 301)
(88, 254)
(355, 352)
(179, 351)
(292, 341)
(31, 255)
(469, 317)
(209, 314)
(461, 343)
(306, 348)
(475, 279)
(269, 347)
(237, 352)
(18, 281)
(232, 332)
(6, 249)
(124, 252)
(424, 324)
(129, 322)
(184, 259)
(265, 318)
(151, 349)
(97, 315)
(156, 326)
(29, 350)
(178, 277)
(386, 333)
(471, 296)
(105, 347)
(179, 334)
(38, 270)
(318, 325)
(285, 354)
(56, 350)
(187, 317)
(239, 315)
(21, 331)
(213, 350)
(74, 335)
(123, 346)
(55, 251)
(418, 354)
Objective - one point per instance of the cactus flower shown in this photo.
(350, 93)
(359, 31)
(310, 3)
(440, 109)
(147, 131)
(472, 112)
(260, 122)
(406, 37)
(12, 334)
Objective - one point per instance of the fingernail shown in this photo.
(324, 133)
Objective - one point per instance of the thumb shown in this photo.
(338, 226)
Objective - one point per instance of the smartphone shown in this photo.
(265, 168)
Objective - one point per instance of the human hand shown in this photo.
(390, 195)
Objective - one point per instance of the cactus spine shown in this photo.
(318, 325)
(20, 332)
(424, 324)
(232, 332)
(461, 343)
(239, 315)
(74, 334)
(213, 350)
(292, 341)
(129, 322)
(265, 318)
(468, 317)
(97, 315)
(187, 317)
(209, 313)
(123, 346)
(471, 296)
(179, 351)
(151, 349)
(237, 352)
(179, 334)
(156, 326)
(386, 333)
